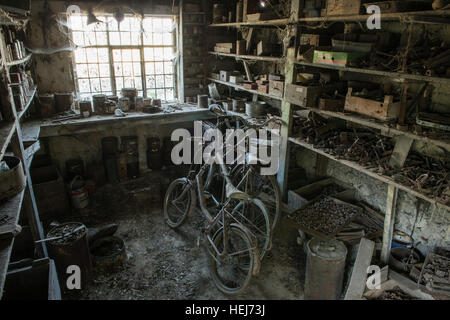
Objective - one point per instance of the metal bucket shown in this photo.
(63, 101)
(325, 266)
(108, 253)
(85, 108)
(79, 195)
(98, 101)
(124, 104)
(238, 105)
(70, 253)
(11, 181)
(255, 109)
(202, 101)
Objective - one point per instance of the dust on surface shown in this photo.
(164, 263)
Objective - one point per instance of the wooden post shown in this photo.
(286, 107)
(389, 220)
(180, 76)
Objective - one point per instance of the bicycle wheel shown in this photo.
(232, 273)
(249, 180)
(178, 205)
(253, 215)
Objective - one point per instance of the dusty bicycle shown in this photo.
(232, 247)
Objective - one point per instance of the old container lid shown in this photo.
(328, 249)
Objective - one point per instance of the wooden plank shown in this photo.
(376, 176)
(321, 166)
(239, 87)
(358, 278)
(389, 220)
(5, 255)
(247, 71)
(248, 57)
(264, 23)
(6, 132)
(396, 75)
(401, 151)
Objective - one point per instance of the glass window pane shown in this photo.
(118, 69)
(168, 67)
(169, 81)
(83, 85)
(103, 55)
(159, 68)
(128, 82)
(160, 81)
(95, 85)
(169, 95)
(90, 39)
(91, 55)
(151, 82)
(148, 54)
(160, 94)
(117, 55)
(149, 68)
(93, 70)
(151, 93)
(119, 83)
(76, 22)
(80, 55)
(159, 54)
(82, 71)
(127, 69)
(168, 54)
(137, 69)
(104, 70)
(125, 38)
(157, 39)
(167, 39)
(126, 55)
(136, 55)
(114, 38)
(78, 38)
(148, 38)
(102, 39)
(138, 83)
(106, 84)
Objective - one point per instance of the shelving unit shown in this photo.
(12, 135)
(239, 87)
(290, 69)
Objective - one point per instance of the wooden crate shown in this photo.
(331, 104)
(303, 96)
(276, 88)
(386, 110)
(343, 7)
(263, 88)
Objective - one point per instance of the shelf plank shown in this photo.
(383, 126)
(5, 254)
(238, 87)
(403, 76)
(266, 23)
(378, 177)
(6, 132)
(31, 130)
(29, 101)
(248, 57)
(11, 209)
(17, 62)
(400, 16)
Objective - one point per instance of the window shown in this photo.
(139, 53)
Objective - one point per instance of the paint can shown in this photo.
(202, 101)
(13, 180)
(228, 105)
(238, 105)
(70, 251)
(147, 102)
(130, 93)
(325, 264)
(255, 109)
(78, 193)
(156, 103)
(110, 107)
(98, 101)
(85, 108)
(124, 104)
(63, 101)
(139, 103)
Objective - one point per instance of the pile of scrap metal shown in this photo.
(435, 273)
(373, 151)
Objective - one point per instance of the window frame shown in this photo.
(141, 47)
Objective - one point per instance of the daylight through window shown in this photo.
(137, 54)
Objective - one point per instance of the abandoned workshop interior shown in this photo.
(224, 150)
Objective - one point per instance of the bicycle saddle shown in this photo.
(234, 193)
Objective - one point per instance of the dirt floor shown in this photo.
(172, 264)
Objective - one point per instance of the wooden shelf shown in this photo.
(30, 100)
(248, 57)
(266, 23)
(383, 126)
(17, 62)
(374, 175)
(238, 87)
(404, 76)
(5, 254)
(7, 130)
(400, 16)
(31, 130)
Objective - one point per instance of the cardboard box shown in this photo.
(236, 79)
(336, 57)
(343, 7)
(275, 77)
(261, 82)
(225, 76)
(223, 50)
(276, 88)
(303, 96)
(225, 45)
(215, 76)
(263, 88)
(241, 47)
(250, 86)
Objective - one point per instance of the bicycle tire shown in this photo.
(252, 256)
(191, 198)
